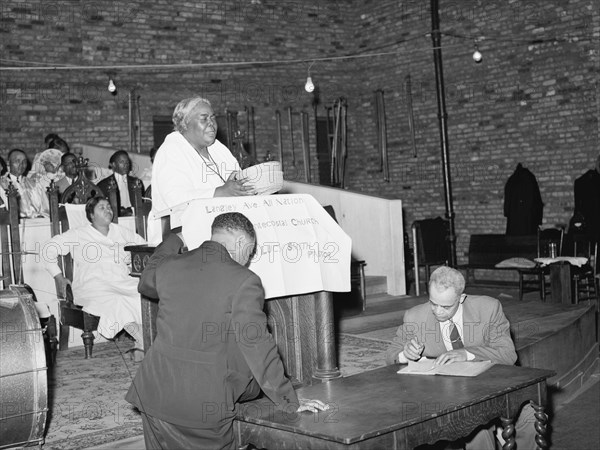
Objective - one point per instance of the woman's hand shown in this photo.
(234, 187)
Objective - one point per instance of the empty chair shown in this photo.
(431, 246)
(584, 278)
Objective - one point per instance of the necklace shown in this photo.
(211, 164)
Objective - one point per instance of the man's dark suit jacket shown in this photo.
(486, 331)
(103, 185)
(212, 339)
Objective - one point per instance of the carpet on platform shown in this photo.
(86, 397)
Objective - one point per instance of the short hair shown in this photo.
(445, 277)
(63, 158)
(116, 154)
(49, 137)
(59, 144)
(233, 221)
(91, 204)
(15, 150)
(183, 110)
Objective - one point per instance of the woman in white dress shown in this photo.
(101, 281)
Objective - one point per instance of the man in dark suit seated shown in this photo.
(120, 164)
(212, 349)
(453, 327)
(68, 163)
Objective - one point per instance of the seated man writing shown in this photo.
(454, 327)
(101, 281)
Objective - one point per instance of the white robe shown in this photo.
(101, 280)
(180, 174)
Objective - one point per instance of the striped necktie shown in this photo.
(455, 337)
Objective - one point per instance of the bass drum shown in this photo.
(23, 371)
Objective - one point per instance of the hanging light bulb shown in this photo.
(111, 86)
(309, 86)
(477, 56)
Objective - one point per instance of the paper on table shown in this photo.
(426, 366)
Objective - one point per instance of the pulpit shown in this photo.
(302, 257)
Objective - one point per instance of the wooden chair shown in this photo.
(357, 270)
(12, 266)
(141, 209)
(431, 247)
(584, 278)
(546, 238)
(72, 315)
(10, 239)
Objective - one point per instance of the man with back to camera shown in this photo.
(204, 360)
(453, 327)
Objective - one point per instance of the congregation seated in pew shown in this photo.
(101, 283)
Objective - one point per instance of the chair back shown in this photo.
(59, 223)
(141, 208)
(83, 189)
(580, 244)
(431, 243)
(546, 237)
(10, 240)
(431, 246)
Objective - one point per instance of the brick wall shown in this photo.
(533, 99)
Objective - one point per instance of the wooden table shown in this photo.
(382, 409)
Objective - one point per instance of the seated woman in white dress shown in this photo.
(101, 281)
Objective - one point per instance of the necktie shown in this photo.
(455, 337)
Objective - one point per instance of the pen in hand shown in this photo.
(414, 349)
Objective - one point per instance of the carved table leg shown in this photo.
(508, 434)
(88, 343)
(541, 420)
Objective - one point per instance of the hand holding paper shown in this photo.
(451, 356)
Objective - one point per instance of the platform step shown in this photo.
(375, 285)
(383, 311)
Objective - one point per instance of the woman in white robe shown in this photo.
(190, 164)
(101, 281)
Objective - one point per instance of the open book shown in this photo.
(425, 366)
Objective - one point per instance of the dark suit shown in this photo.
(486, 335)
(63, 184)
(103, 185)
(523, 207)
(212, 341)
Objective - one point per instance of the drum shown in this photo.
(23, 372)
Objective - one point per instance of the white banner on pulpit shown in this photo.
(300, 248)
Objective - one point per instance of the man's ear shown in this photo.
(463, 297)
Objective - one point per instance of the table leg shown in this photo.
(325, 329)
(508, 434)
(560, 283)
(541, 429)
